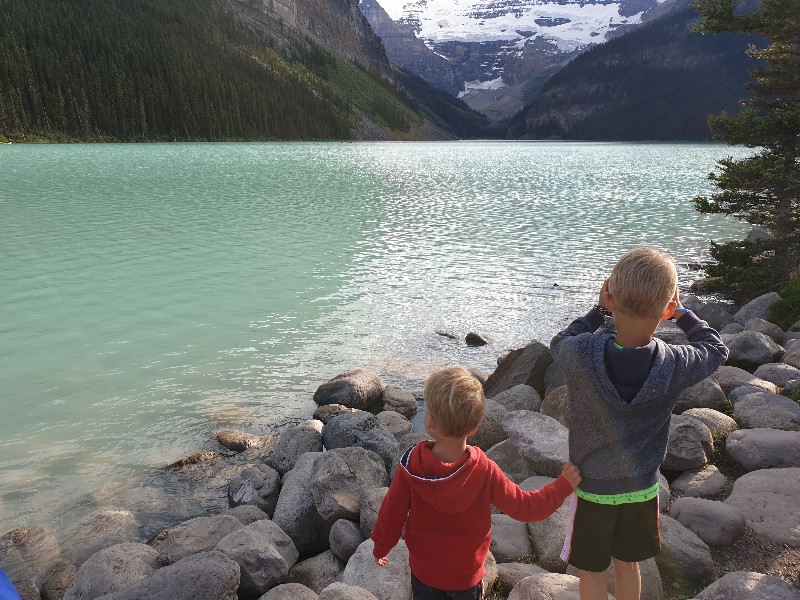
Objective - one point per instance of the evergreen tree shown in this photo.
(764, 188)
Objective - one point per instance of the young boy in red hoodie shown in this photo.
(443, 492)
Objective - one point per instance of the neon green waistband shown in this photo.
(626, 498)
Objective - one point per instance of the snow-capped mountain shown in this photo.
(568, 24)
(510, 47)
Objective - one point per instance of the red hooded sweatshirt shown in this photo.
(446, 511)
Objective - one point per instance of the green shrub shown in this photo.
(743, 271)
(786, 312)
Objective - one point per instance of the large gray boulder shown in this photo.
(345, 538)
(757, 308)
(547, 537)
(652, 587)
(113, 569)
(716, 523)
(362, 430)
(100, 529)
(490, 431)
(519, 397)
(239, 441)
(397, 423)
(766, 410)
(256, 485)
(370, 506)
(705, 482)
(341, 478)
(791, 344)
(392, 582)
(769, 329)
(556, 405)
(548, 586)
(26, 552)
(663, 493)
(792, 359)
(768, 501)
(400, 400)
(720, 424)
(553, 378)
(524, 365)
(510, 574)
(690, 443)
(705, 394)
(715, 314)
(246, 513)
(355, 389)
(731, 328)
(264, 554)
(747, 585)
(764, 448)
(331, 411)
(342, 591)
(317, 572)
(510, 540)
(781, 374)
(290, 591)
(540, 439)
(515, 466)
(744, 390)
(197, 535)
(58, 581)
(204, 575)
(751, 349)
(729, 378)
(294, 442)
(296, 513)
(683, 554)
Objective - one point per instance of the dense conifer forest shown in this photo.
(177, 70)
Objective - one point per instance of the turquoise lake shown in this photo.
(152, 294)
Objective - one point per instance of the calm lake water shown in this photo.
(152, 294)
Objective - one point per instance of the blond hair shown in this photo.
(643, 282)
(454, 398)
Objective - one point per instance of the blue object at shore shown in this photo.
(7, 589)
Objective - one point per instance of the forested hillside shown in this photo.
(178, 70)
(658, 82)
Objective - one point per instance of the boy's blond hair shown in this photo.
(454, 398)
(643, 282)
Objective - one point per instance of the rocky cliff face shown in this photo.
(410, 52)
(336, 24)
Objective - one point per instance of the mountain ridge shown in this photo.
(659, 82)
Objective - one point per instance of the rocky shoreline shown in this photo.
(289, 516)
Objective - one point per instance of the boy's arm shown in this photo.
(704, 353)
(528, 506)
(589, 323)
(391, 516)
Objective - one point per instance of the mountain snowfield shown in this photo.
(569, 25)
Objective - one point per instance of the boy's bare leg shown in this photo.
(628, 584)
(594, 586)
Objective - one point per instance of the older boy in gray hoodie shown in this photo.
(622, 389)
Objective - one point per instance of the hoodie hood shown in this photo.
(451, 493)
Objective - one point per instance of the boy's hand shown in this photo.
(604, 293)
(676, 298)
(572, 474)
(382, 562)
